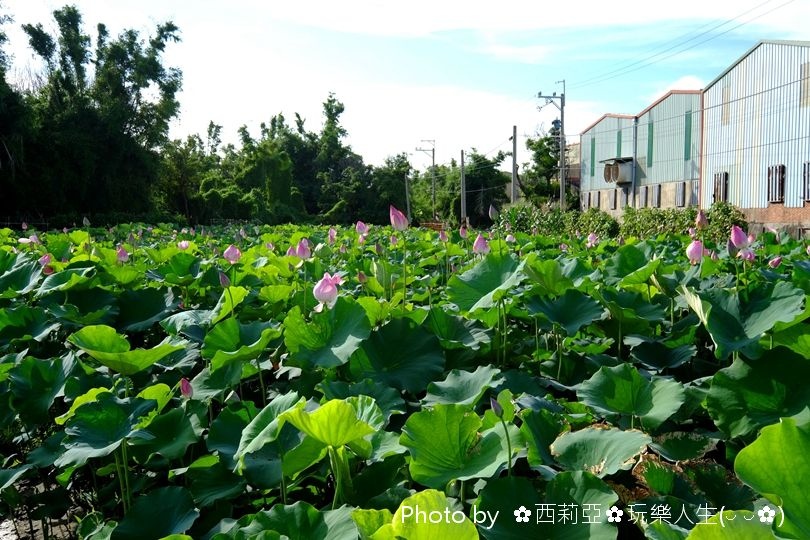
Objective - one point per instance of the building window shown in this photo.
(593, 157)
(720, 187)
(642, 197)
(625, 195)
(804, 98)
(656, 196)
(586, 200)
(614, 196)
(680, 195)
(596, 199)
(776, 184)
(687, 136)
(806, 181)
(650, 134)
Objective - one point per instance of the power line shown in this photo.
(647, 61)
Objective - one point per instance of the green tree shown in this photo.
(13, 126)
(485, 184)
(387, 187)
(99, 119)
(539, 182)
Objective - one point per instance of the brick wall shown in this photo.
(794, 220)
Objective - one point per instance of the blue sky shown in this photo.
(461, 73)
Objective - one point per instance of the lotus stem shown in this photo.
(508, 448)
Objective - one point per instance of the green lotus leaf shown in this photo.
(736, 323)
(35, 384)
(67, 279)
(731, 525)
(299, 521)
(683, 445)
(445, 444)
(211, 481)
(400, 354)
(387, 399)
(265, 426)
(98, 428)
(369, 521)
(753, 393)
(168, 435)
(540, 429)
(601, 452)
(159, 513)
(230, 298)
(776, 466)
(573, 310)
(547, 276)
(463, 387)
(231, 341)
(622, 390)
(334, 424)
(87, 397)
(485, 284)
(330, 338)
(113, 350)
(455, 332)
(407, 524)
(139, 309)
(19, 274)
(24, 323)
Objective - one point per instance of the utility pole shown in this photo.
(513, 198)
(463, 193)
(432, 151)
(552, 99)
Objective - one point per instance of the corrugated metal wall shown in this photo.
(674, 124)
(755, 117)
(603, 140)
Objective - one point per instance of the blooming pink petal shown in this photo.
(186, 389)
(738, 237)
(398, 220)
(443, 236)
(183, 244)
(775, 262)
(332, 235)
(700, 220)
(302, 251)
(325, 291)
(694, 251)
(121, 254)
(480, 246)
(232, 254)
(361, 228)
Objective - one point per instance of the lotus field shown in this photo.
(395, 382)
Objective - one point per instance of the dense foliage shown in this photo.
(89, 136)
(319, 383)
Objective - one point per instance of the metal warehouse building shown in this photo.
(744, 139)
(756, 143)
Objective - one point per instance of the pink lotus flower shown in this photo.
(592, 240)
(564, 248)
(270, 246)
(694, 251)
(510, 238)
(45, 260)
(325, 291)
(691, 232)
(224, 280)
(361, 277)
(361, 228)
(24, 226)
(462, 232)
(342, 248)
(480, 246)
(493, 213)
(232, 254)
(33, 239)
(302, 251)
(291, 252)
(186, 389)
(808, 250)
(775, 262)
(393, 240)
(398, 220)
(443, 236)
(361, 239)
(332, 235)
(738, 237)
(701, 222)
(747, 254)
(183, 244)
(122, 254)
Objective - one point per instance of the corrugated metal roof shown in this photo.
(794, 43)
(607, 115)
(665, 96)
